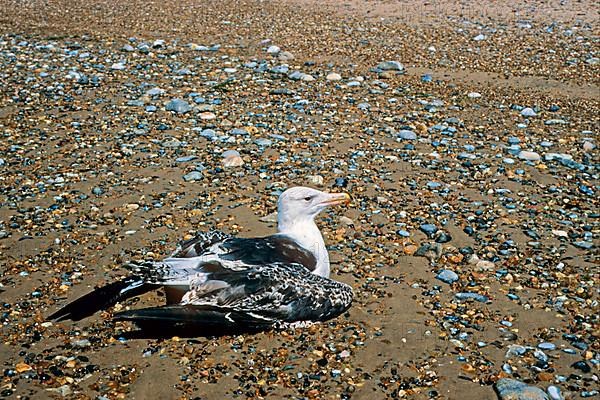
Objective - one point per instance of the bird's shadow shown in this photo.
(156, 331)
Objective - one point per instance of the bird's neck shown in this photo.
(307, 235)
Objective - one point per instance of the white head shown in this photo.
(297, 209)
(299, 205)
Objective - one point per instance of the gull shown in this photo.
(218, 281)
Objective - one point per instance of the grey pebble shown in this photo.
(179, 106)
(447, 276)
(512, 389)
(471, 296)
(193, 176)
(407, 135)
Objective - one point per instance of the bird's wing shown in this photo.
(255, 251)
(199, 244)
(267, 250)
(254, 296)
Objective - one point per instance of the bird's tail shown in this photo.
(102, 298)
(207, 319)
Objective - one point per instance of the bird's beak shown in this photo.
(333, 199)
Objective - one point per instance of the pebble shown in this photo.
(63, 390)
(555, 122)
(587, 146)
(582, 366)
(273, 49)
(179, 106)
(332, 76)
(471, 296)
(447, 276)
(528, 112)
(317, 180)
(515, 350)
(81, 343)
(407, 135)
(231, 158)
(390, 66)
(554, 393)
(428, 229)
(547, 346)
(193, 176)
(512, 389)
(529, 156)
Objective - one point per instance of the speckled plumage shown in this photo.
(221, 281)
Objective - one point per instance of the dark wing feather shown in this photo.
(268, 250)
(102, 298)
(259, 297)
(199, 244)
(210, 319)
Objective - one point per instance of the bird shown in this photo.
(219, 282)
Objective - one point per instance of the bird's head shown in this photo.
(299, 204)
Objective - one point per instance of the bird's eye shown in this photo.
(308, 198)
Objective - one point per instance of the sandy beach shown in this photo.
(467, 136)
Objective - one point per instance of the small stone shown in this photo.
(207, 115)
(582, 366)
(442, 237)
(512, 389)
(410, 249)
(346, 221)
(81, 343)
(344, 354)
(390, 66)
(193, 176)
(555, 122)
(407, 135)
(185, 159)
(22, 367)
(479, 37)
(232, 158)
(333, 76)
(447, 276)
(403, 233)
(273, 49)
(315, 180)
(545, 376)
(484, 265)
(515, 350)
(285, 56)
(263, 142)
(554, 393)
(97, 191)
(63, 390)
(529, 156)
(546, 346)
(474, 95)
(588, 146)
(178, 105)
(429, 251)
(471, 296)
(428, 229)
(528, 112)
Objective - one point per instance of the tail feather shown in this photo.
(102, 298)
(203, 317)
